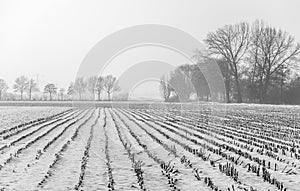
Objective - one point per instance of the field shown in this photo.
(151, 147)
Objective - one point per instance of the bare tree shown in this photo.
(3, 88)
(51, 89)
(21, 85)
(99, 87)
(164, 88)
(91, 85)
(272, 50)
(231, 42)
(110, 85)
(32, 87)
(181, 82)
(80, 86)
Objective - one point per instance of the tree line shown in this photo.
(91, 88)
(259, 64)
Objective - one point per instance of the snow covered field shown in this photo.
(11, 116)
(207, 147)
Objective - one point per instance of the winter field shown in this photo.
(151, 147)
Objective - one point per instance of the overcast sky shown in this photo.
(49, 39)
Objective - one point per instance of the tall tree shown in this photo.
(3, 88)
(91, 85)
(110, 85)
(99, 87)
(80, 86)
(231, 42)
(273, 49)
(180, 82)
(227, 75)
(32, 87)
(164, 88)
(51, 89)
(70, 90)
(21, 85)
(199, 82)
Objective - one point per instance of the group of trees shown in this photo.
(94, 86)
(258, 62)
(183, 82)
(22, 85)
(3, 88)
(91, 86)
(257, 56)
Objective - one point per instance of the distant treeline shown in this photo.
(91, 88)
(258, 63)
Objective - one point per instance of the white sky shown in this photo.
(51, 38)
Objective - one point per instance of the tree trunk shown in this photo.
(238, 89)
(264, 90)
(50, 96)
(0, 95)
(251, 93)
(21, 95)
(260, 90)
(281, 90)
(227, 89)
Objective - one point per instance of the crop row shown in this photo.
(136, 165)
(86, 155)
(59, 154)
(111, 181)
(184, 160)
(168, 170)
(265, 175)
(34, 122)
